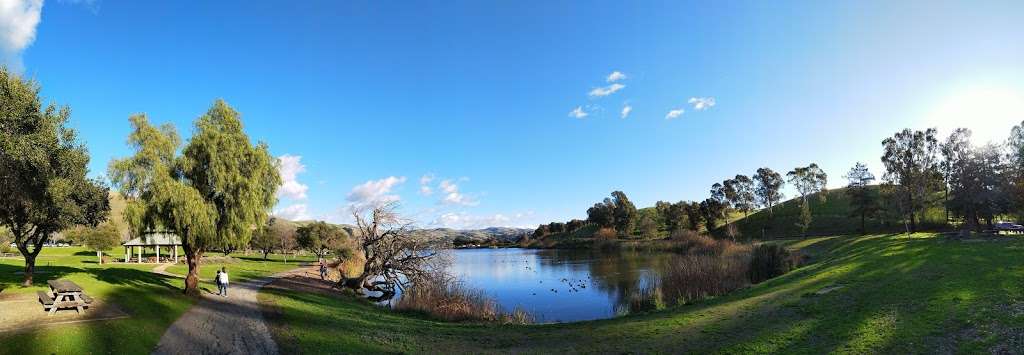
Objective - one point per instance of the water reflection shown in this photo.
(560, 285)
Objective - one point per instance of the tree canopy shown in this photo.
(43, 168)
(320, 237)
(213, 195)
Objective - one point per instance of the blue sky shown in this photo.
(366, 98)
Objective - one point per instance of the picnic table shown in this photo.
(63, 294)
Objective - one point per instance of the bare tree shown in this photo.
(395, 257)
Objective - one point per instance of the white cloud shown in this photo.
(374, 193)
(290, 167)
(626, 110)
(425, 180)
(701, 103)
(615, 76)
(674, 113)
(452, 196)
(462, 220)
(607, 90)
(296, 212)
(578, 112)
(18, 22)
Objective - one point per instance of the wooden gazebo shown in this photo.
(154, 240)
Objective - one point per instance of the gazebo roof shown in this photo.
(153, 239)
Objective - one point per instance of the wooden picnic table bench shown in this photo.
(63, 294)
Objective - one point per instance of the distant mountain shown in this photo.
(476, 236)
(458, 236)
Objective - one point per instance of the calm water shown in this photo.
(558, 285)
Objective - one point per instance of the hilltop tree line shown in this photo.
(977, 185)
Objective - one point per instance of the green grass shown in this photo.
(152, 300)
(245, 267)
(899, 294)
(829, 217)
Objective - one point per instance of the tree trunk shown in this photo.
(192, 257)
(863, 230)
(99, 255)
(30, 267)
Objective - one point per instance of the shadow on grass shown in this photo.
(153, 302)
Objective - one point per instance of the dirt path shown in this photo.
(222, 325)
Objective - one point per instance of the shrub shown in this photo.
(690, 242)
(604, 239)
(770, 260)
(446, 298)
(696, 277)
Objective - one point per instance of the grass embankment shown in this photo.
(873, 294)
(152, 301)
(829, 217)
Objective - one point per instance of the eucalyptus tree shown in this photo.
(768, 188)
(740, 192)
(956, 154)
(43, 168)
(910, 167)
(977, 179)
(863, 200)
(213, 195)
(808, 180)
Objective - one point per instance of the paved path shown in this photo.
(221, 325)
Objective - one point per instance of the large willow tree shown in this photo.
(214, 195)
(43, 168)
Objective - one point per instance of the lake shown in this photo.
(559, 285)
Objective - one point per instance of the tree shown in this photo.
(808, 180)
(268, 238)
(602, 213)
(693, 215)
(43, 168)
(320, 238)
(625, 212)
(675, 215)
(769, 184)
(741, 194)
(394, 255)
(863, 201)
(647, 225)
(976, 178)
(615, 212)
(910, 167)
(99, 238)
(711, 211)
(212, 195)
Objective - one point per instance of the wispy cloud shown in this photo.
(605, 91)
(674, 114)
(425, 189)
(578, 112)
(18, 22)
(295, 212)
(374, 193)
(626, 110)
(615, 76)
(701, 103)
(452, 195)
(289, 168)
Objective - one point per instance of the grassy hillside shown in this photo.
(829, 218)
(876, 294)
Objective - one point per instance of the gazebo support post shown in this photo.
(158, 254)
(140, 254)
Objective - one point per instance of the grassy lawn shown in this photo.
(244, 267)
(890, 294)
(152, 301)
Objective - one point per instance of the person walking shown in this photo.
(220, 287)
(222, 282)
(323, 271)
